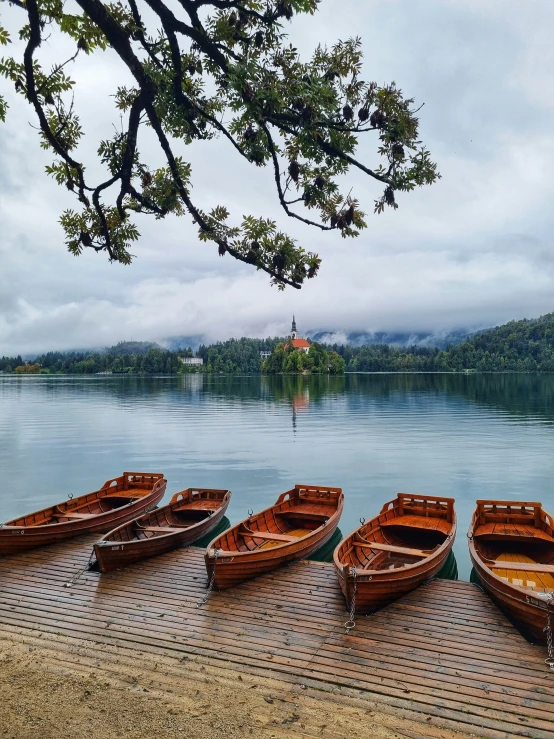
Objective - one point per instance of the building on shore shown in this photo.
(192, 361)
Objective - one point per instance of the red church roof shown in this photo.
(300, 344)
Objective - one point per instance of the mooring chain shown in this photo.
(80, 572)
(548, 629)
(211, 583)
(349, 625)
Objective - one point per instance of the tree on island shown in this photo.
(203, 69)
(285, 359)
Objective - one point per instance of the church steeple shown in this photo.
(293, 331)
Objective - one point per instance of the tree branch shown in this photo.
(32, 44)
(277, 173)
(330, 150)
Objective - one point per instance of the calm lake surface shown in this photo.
(474, 436)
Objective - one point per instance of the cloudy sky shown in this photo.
(474, 250)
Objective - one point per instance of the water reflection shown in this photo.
(466, 436)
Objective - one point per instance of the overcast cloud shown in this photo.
(474, 250)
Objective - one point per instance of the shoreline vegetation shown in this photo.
(518, 346)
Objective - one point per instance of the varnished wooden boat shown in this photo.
(395, 552)
(301, 521)
(190, 515)
(511, 545)
(117, 501)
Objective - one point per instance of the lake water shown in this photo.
(465, 436)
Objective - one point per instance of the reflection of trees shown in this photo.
(292, 388)
(521, 395)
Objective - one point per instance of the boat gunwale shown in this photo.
(266, 553)
(342, 569)
(224, 502)
(42, 528)
(480, 561)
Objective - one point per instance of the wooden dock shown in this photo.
(443, 654)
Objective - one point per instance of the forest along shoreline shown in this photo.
(517, 346)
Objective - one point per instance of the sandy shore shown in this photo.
(61, 688)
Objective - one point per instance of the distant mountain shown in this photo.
(174, 343)
(438, 339)
(131, 347)
(518, 346)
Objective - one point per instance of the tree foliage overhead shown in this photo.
(215, 68)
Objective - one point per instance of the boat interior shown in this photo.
(184, 510)
(516, 541)
(296, 516)
(114, 494)
(408, 529)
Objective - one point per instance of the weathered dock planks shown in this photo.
(443, 651)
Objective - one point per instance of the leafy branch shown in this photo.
(209, 68)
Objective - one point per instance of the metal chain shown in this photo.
(211, 583)
(80, 572)
(548, 629)
(349, 625)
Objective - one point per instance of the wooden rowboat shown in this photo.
(511, 545)
(301, 521)
(117, 501)
(395, 552)
(190, 515)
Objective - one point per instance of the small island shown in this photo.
(298, 355)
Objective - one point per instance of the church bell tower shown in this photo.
(293, 331)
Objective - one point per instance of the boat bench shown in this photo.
(267, 535)
(296, 513)
(521, 566)
(390, 548)
(429, 523)
(71, 514)
(158, 529)
(517, 532)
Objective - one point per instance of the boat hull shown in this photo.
(233, 568)
(229, 573)
(527, 613)
(378, 589)
(21, 537)
(512, 535)
(114, 553)
(429, 519)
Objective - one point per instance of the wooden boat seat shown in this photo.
(296, 533)
(300, 513)
(202, 503)
(130, 493)
(197, 507)
(160, 529)
(267, 535)
(390, 548)
(318, 509)
(519, 530)
(420, 522)
(519, 569)
(63, 514)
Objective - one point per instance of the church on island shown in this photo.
(301, 345)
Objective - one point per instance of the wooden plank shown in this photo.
(389, 548)
(527, 567)
(443, 650)
(266, 535)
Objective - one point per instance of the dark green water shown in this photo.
(374, 435)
